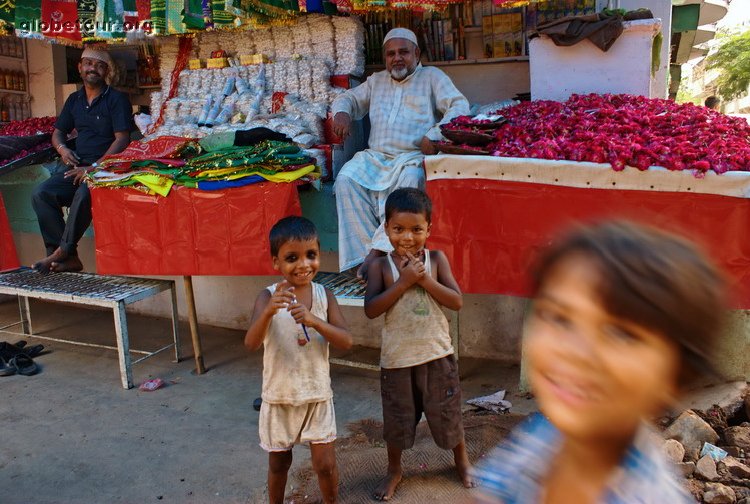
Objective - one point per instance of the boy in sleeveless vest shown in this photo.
(295, 320)
(418, 370)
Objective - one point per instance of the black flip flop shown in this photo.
(24, 365)
(6, 369)
(17, 359)
(33, 350)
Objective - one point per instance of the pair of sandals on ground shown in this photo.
(18, 358)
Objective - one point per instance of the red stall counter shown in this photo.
(8, 256)
(493, 215)
(190, 232)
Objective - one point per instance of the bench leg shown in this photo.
(175, 324)
(25, 311)
(123, 345)
(193, 318)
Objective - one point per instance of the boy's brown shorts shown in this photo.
(431, 388)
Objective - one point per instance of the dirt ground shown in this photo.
(72, 434)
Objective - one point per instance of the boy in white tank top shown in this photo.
(418, 370)
(295, 320)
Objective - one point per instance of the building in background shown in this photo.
(698, 82)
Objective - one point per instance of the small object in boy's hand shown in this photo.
(256, 403)
(151, 385)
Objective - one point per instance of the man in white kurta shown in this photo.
(406, 103)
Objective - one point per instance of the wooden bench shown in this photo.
(350, 291)
(115, 292)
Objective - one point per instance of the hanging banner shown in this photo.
(7, 15)
(87, 18)
(60, 20)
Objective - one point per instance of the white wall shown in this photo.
(488, 82)
(662, 10)
(559, 71)
(46, 74)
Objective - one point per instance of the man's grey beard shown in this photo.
(399, 74)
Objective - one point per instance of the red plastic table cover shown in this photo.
(190, 232)
(492, 228)
(8, 256)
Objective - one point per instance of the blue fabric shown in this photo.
(97, 123)
(214, 185)
(315, 6)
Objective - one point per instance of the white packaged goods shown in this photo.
(303, 56)
(350, 39)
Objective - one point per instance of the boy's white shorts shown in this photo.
(282, 426)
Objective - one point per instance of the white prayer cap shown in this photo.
(103, 56)
(402, 33)
(98, 54)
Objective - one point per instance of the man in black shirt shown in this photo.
(102, 117)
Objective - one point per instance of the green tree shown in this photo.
(732, 60)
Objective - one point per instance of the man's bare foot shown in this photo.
(387, 486)
(45, 265)
(72, 263)
(371, 256)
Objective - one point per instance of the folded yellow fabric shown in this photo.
(157, 184)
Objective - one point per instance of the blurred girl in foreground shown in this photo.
(622, 315)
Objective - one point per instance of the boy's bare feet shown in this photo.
(387, 486)
(463, 467)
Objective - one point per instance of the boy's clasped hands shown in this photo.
(411, 269)
(283, 298)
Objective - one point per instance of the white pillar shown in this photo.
(663, 11)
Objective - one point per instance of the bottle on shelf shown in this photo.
(4, 50)
(25, 108)
(4, 116)
(2, 78)
(21, 81)
(13, 109)
(9, 80)
(19, 47)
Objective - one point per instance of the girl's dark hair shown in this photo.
(410, 200)
(654, 279)
(291, 228)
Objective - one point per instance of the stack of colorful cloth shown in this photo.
(215, 162)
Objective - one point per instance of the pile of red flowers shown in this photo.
(623, 130)
(28, 127)
(25, 152)
(25, 137)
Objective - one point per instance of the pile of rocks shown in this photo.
(712, 450)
